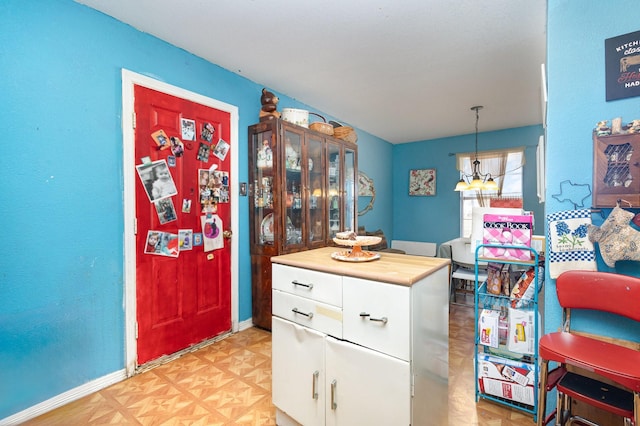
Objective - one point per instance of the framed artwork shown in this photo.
(422, 182)
(622, 66)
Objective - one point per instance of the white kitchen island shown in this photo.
(360, 343)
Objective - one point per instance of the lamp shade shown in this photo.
(491, 185)
(462, 185)
(476, 183)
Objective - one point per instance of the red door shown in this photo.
(183, 266)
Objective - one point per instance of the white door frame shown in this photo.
(129, 79)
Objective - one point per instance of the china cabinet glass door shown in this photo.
(333, 189)
(294, 217)
(315, 193)
(302, 191)
(263, 197)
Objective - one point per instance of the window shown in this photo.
(505, 167)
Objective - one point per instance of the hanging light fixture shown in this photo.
(476, 180)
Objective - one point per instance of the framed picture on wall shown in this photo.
(622, 66)
(422, 182)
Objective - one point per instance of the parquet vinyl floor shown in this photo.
(229, 383)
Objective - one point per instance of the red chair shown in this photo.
(601, 291)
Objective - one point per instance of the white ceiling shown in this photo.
(403, 70)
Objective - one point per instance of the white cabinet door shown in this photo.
(365, 387)
(298, 372)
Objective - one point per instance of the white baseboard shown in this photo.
(243, 325)
(79, 392)
(65, 398)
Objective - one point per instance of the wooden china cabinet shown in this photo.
(616, 176)
(302, 191)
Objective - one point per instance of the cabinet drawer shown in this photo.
(318, 286)
(316, 315)
(378, 316)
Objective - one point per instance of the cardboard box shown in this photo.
(505, 378)
(521, 337)
(488, 324)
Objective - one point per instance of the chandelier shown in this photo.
(476, 181)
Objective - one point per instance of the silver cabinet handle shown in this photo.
(314, 386)
(334, 404)
(308, 315)
(296, 282)
(383, 320)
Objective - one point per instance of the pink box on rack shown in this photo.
(507, 230)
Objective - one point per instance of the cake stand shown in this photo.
(356, 254)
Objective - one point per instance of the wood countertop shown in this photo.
(391, 267)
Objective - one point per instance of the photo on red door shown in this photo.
(208, 131)
(221, 149)
(157, 180)
(188, 129)
(185, 239)
(162, 244)
(165, 210)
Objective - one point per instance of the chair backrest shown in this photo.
(418, 248)
(461, 252)
(602, 291)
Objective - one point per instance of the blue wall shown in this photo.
(576, 86)
(576, 31)
(437, 218)
(374, 159)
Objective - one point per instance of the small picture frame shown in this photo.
(422, 182)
